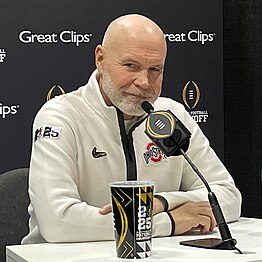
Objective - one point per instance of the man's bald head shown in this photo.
(133, 27)
(130, 63)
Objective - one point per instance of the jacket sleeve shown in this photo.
(60, 213)
(219, 179)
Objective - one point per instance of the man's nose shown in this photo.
(142, 79)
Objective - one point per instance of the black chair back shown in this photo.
(14, 201)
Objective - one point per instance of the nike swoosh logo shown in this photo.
(97, 154)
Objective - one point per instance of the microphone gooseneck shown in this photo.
(172, 137)
(147, 107)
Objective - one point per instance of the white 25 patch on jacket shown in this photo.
(47, 132)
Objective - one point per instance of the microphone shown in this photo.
(147, 107)
(166, 130)
(172, 137)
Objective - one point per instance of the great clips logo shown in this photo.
(194, 36)
(153, 154)
(7, 110)
(191, 97)
(66, 37)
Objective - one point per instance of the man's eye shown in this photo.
(130, 65)
(155, 69)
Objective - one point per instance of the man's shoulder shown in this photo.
(64, 105)
(60, 100)
(166, 103)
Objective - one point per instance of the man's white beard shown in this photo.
(127, 104)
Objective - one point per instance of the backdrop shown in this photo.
(47, 48)
(243, 99)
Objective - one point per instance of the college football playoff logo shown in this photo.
(54, 90)
(191, 94)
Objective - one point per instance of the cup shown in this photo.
(132, 203)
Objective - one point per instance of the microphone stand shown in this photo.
(172, 137)
(227, 242)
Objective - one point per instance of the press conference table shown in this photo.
(247, 232)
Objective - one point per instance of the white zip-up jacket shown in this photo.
(77, 152)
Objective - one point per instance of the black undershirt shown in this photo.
(128, 146)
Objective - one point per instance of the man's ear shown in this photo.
(99, 58)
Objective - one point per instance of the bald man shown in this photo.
(86, 139)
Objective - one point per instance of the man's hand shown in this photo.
(157, 208)
(193, 214)
(105, 209)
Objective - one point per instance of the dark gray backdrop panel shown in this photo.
(243, 99)
(30, 70)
